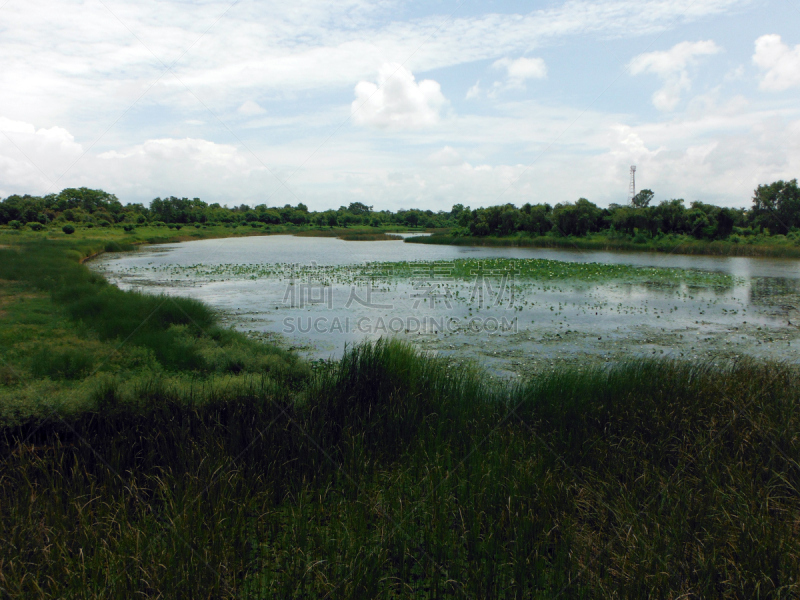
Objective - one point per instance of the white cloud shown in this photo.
(672, 67)
(397, 101)
(33, 157)
(522, 69)
(57, 55)
(250, 109)
(780, 63)
(73, 69)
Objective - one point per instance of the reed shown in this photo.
(391, 475)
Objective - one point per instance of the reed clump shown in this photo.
(391, 475)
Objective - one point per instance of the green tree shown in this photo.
(777, 206)
(576, 219)
(359, 209)
(642, 199)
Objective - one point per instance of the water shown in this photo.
(712, 308)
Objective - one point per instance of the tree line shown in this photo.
(97, 207)
(775, 209)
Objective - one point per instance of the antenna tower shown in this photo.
(632, 190)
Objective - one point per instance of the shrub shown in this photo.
(68, 229)
(14, 224)
(36, 226)
(127, 227)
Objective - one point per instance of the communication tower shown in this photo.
(632, 190)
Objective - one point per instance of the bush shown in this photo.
(68, 229)
(127, 227)
(14, 224)
(36, 226)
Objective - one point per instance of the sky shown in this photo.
(398, 104)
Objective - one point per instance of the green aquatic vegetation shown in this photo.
(515, 270)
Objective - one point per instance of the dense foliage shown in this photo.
(100, 208)
(775, 210)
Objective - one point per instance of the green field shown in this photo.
(146, 451)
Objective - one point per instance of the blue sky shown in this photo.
(399, 104)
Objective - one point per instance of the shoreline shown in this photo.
(716, 248)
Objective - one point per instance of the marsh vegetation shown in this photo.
(147, 450)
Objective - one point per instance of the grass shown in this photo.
(393, 476)
(145, 451)
(64, 328)
(760, 247)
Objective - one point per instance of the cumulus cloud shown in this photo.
(672, 66)
(780, 63)
(397, 101)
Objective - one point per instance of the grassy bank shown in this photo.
(766, 247)
(146, 451)
(64, 330)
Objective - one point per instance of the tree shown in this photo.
(576, 219)
(358, 208)
(777, 206)
(642, 199)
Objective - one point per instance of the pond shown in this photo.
(516, 311)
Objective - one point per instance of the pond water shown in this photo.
(516, 311)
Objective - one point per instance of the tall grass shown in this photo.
(181, 333)
(391, 475)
